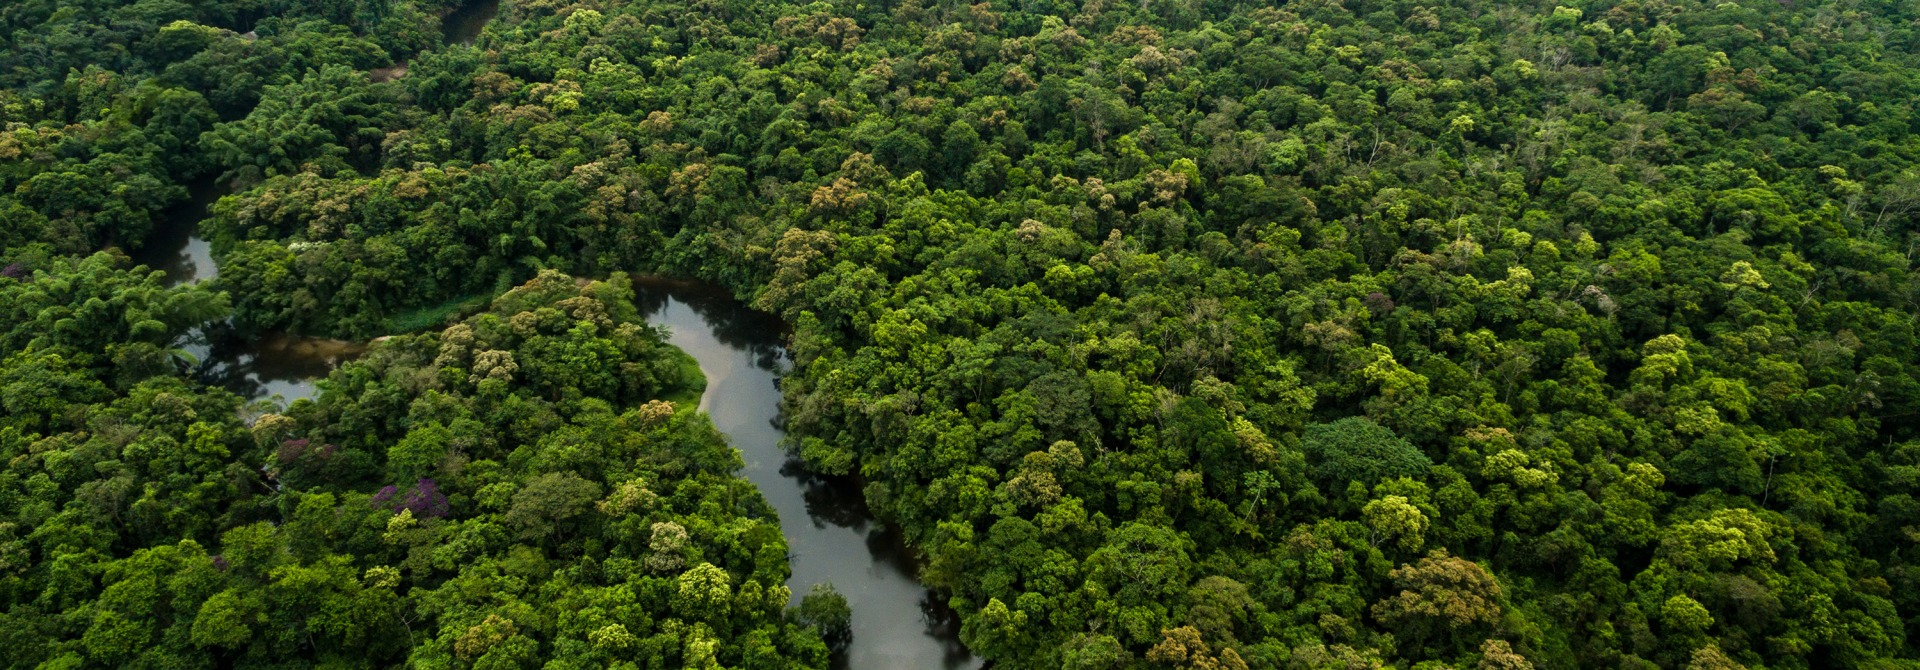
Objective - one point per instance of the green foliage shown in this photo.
(95, 315)
(432, 505)
(827, 612)
(326, 122)
(431, 316)
(106, 103)
(1357, 450)
(1202, 334)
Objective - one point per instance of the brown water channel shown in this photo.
(831, 536)
(259, 367)
(274, 364)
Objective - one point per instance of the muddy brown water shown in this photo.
(274, 364)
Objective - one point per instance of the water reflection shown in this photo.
(175, 246)
(264, 366)
(275, 364)
(465, 24)
(830, 534)
(760, 335)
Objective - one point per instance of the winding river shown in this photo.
(831, 536)
(261, 367)
(275, 364)
(830, 533)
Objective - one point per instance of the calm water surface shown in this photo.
(273, 364)
(465, 24)
(258, 367)
(896, 622)
(833, 538)
(175, 246)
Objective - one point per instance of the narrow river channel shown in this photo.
(897, 623)
(833, 539)
(274, 364)
(260, 367)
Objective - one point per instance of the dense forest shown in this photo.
(516, 491)
(1180, 333)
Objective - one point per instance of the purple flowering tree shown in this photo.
(424, 499)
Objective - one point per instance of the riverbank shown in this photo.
(831, 535)
(281, 364)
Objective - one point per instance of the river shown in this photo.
(832, 537)
(274, 364)
(465, 24)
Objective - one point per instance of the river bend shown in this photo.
(832, 537)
